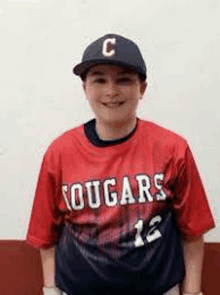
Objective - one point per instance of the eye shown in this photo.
(99, 80)
(124, 80)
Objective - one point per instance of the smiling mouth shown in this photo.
(113, 104)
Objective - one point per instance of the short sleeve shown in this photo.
(193, 212)
(44, 220)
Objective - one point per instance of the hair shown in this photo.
(142, 78)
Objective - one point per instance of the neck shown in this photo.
(115, 130)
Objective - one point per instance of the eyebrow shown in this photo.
(96, 73)
(99, 73)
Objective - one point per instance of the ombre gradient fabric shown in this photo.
(116, 210)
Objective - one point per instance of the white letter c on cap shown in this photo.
(105, 46)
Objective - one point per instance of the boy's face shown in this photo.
(113, 92)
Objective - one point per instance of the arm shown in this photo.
(193, 248)
(48, 265)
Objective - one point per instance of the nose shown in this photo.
(111, 89)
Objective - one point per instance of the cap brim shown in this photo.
(85, 66)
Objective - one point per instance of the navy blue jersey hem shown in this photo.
(149, 271)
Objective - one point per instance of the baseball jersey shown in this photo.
(116, 210)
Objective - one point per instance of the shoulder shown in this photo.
(66, 140)
(157, 132)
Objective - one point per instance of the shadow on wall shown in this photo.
(21, 270)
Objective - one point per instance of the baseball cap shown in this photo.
(112, 49)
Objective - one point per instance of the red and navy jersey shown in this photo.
(116, 212)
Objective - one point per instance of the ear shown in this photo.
(84, 86)
(143, 87)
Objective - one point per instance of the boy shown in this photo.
(119, 203)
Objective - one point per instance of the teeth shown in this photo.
(113, 104)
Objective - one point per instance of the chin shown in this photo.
(114, 119)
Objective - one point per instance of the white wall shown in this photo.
(40, 42)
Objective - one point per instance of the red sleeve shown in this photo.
(42, 231)
(191, 206)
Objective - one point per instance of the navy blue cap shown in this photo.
(112, 49)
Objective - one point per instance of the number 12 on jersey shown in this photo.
(153, 233)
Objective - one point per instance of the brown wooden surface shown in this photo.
(21, 272)
(20, 269)
(211, 269)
